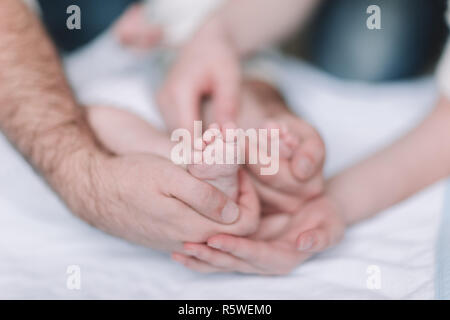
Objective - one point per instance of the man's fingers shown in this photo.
(195, 264)
(218, 258)
(225, 106)
(204, 198)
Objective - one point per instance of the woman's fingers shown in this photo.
(218, 259)
(225, 253)
(227, 89)
(315, 240)
(195, 264)
(276, 257)
(260, 254)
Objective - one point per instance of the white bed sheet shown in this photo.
(39, 238)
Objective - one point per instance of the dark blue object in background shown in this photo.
(96, 17)
(413, 33)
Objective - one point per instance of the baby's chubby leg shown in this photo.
(123, 132)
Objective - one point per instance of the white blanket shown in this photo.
(39, 238)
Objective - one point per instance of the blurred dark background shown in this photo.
(97, 16)
(409, 44)
(337, 39)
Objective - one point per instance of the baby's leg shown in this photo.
(125, 133)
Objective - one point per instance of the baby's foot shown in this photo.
(219, 153)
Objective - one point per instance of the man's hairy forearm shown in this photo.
(253, 24)
(38, 112)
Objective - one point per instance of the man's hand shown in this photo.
(208, 67)
(148, 200)
(282, 243)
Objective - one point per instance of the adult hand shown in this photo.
(148, 200)
(208, 67)
(283, 242)
(141, 198)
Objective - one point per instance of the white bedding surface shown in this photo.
(39, 238)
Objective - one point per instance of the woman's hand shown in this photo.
(208, 66)
(282, 243)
